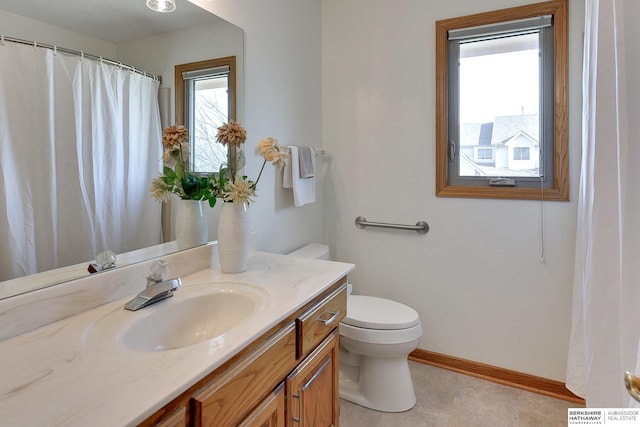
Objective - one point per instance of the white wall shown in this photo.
(476, 278)
(283, 100)
(20, 27)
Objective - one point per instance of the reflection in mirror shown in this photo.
(205, 100)
(125, 31)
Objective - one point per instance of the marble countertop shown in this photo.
(52, 376)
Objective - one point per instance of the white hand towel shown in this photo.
(307, 159)
(304, 189)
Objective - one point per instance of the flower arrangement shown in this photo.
(229, 184)
(176, 178)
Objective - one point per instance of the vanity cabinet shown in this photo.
(270, 413)
(312, 388)
(225, 401)
(177, 418)
(288, 377)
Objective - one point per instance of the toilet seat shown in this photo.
(380, 336)
(379, 314)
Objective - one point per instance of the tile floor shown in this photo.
(448, 399)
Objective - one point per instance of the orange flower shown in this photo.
(231, 133)
(173, 136)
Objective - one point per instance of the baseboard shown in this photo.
(508, 377)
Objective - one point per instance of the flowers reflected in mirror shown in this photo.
(176, 179)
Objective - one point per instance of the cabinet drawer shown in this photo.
(230, 398)
(178, 418)
(317, 322)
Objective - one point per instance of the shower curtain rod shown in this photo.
(78, 53)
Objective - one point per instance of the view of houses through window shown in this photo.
(499, 107)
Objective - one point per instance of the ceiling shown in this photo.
(112, 20)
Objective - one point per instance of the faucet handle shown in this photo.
(158, 271)
(106, 259)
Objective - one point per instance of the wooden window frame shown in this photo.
(559, 189)
(230, 61)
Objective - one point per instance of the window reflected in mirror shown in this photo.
(205, 99)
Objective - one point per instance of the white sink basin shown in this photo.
(195, 314)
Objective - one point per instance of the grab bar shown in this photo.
(421, 226)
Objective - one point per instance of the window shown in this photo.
(501, 83)
(521, 153)
(484, 153)
(205, 99)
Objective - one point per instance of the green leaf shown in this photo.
(180, 171)
(169, 172)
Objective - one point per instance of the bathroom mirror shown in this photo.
(126, 31)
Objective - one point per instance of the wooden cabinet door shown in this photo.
(269, 413)
(229, 399)
(312, 388)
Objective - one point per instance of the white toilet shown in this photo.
(376, 336)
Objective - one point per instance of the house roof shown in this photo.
(486, 131)
(506, 127)
(534, 141)
(501, 130)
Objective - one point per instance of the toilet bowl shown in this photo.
(376, 336)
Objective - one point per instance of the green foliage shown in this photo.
(191, 186)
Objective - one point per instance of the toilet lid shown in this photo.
(378, 313)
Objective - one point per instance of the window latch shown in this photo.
(452, 151)
(504, 182)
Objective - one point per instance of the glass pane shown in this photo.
(210, 110)
(500, 107)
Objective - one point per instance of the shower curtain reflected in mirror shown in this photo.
(79, 146)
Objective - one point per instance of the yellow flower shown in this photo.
(239, 191)
(272, 152)
(160, 190)
(231, 133)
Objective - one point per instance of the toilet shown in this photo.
(376, 336)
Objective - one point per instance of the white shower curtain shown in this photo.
(606, 316)
(79, 146)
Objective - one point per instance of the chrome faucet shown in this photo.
(157, 288)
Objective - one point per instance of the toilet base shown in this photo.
(381, 384)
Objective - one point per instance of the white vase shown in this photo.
(233, 237)
(191, 224)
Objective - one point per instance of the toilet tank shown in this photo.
(312, 250)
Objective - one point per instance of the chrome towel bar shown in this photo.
(421, 226)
